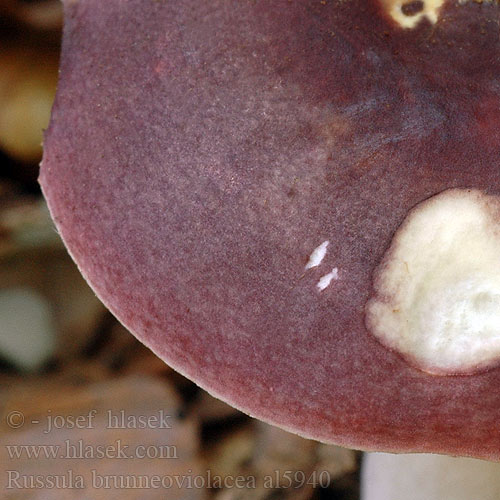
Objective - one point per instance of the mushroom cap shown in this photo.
(199, 153)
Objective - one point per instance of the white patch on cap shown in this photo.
(408, 13)
(318, 255)
(327, 279)
(437, 291)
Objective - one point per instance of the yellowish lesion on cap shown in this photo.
(437, 290)
(408, 13)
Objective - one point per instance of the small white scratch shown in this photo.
(327, 279)
(317, 256)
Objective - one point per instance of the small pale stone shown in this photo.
(27, 336)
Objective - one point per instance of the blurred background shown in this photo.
(86, 411)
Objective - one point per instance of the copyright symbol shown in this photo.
(15, 419)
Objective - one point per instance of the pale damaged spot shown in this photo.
(409, 13)
(325, 280)
(437, 290)
(317, 255)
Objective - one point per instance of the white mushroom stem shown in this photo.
(386, 476)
